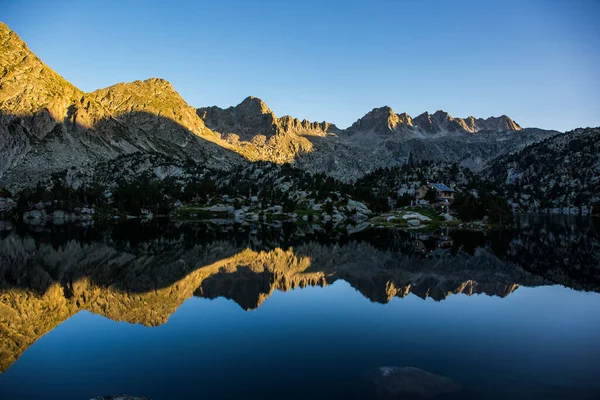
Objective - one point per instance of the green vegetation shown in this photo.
(428, 212)
(62, 196)
(191, 189)
(471, 208)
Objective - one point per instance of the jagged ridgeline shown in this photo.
(48, 125)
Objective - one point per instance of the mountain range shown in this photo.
(47, 125)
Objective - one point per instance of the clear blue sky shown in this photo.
(536, 61)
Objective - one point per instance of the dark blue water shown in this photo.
(536, 342)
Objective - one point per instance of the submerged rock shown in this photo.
(410, 382)
(120, 397)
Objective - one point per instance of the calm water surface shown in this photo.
(199, 312)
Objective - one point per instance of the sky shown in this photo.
(536, 61)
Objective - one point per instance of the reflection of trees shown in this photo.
(47, 277)
(563, 250)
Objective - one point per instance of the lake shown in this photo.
(192, 311)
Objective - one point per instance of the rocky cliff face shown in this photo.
(249, 118)
(253, 117)
(32, 99)
(385, 121)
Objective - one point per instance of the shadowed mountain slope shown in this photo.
(48, 125)
(560, 172)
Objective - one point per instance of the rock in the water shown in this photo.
(36, 214)
(414, 215)
(413, 222)
(120, 397)
(410, 382)
(5, 226)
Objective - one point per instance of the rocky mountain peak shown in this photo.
(149, 87)
(27, 84)
(501, 123)
(253, 117)
(382, 120)
(248, 119)
(424, 122)
(405, 119)
(151, 105)
(254, 105)
(443, 122)
(441, 115)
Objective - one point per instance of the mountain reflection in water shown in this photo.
(142, 273)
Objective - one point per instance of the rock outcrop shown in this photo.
(253, 117)
(409, 382)
(385, 121)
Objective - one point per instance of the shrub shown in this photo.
(328, 208)
(404, 200)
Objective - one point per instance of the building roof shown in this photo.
(441, 187)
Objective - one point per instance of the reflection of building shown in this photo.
(443, 239)
(436, 243)
(437, 194)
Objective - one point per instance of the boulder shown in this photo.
(413, 222)
(357, 206)
(35, 214)
(337, 217)
(410, 382)
(358, 217)
(5, 226)
(58, 214)
(6, 204)
(252, 216)
(239, 215)
(120, 397)
(414, 215)
(358, 227)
